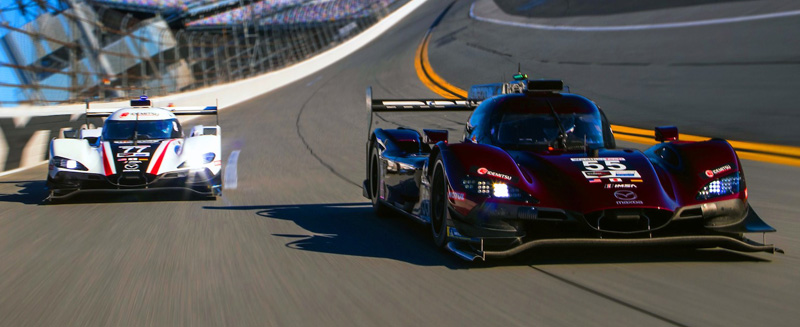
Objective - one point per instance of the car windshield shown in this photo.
(145, 129)
(542, 129)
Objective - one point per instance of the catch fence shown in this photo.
(86, 51)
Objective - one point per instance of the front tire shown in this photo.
(374, 182)
(440, 212)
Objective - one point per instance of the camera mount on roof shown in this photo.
(520, 84)
(142, 101)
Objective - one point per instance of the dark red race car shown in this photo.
(538, 166)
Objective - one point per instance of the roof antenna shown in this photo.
(520, 76)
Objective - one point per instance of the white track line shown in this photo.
(16, 170)
(631, 27)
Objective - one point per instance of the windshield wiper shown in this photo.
(562, 133)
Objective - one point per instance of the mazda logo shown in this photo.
(131, 166)
(625, 195)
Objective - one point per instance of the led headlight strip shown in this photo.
(719, 187)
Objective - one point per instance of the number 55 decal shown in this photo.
(602, 164)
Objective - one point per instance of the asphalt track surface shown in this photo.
(296, 245)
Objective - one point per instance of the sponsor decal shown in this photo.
(629, 202)
(615, 180)
(490, 173)
(588, 174)
(131, 167)
(625, 195)
(457, 196)
(710, 173)
(133, 151)
(621, 186)
(140, 114)
(595, 180)
(636, 180)
(611, 174)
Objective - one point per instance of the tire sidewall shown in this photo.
(439, 228)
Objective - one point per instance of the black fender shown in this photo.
(391, 143)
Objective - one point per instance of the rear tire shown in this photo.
(440, 212)
(374, 182)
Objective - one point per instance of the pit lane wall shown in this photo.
(25, 132)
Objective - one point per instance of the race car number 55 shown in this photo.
(602, 164)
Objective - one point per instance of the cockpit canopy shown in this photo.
(537, 121)
(141, 129)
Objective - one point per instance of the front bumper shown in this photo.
(500, 229)
(68, 183)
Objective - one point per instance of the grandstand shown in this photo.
(321, 12)
(283, 12)
(107, 49)
(247, 13)
(173, 10)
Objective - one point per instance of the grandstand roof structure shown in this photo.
(289, 12)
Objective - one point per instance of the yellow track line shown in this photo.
(778, 154)
(428, 77)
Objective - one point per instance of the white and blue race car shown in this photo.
(140, 147)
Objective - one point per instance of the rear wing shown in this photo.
(198, 110)
(414, 105)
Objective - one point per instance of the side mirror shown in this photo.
(433, 136)
(666, 133)
(71, 134)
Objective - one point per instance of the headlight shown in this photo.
(480, 186)
(198, 161)
(723, 186)
(395, 166)
(62, 162)
(500, 190)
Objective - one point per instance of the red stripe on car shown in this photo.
(106, 164)
(157, 164)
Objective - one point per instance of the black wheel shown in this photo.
(373, 183)
(439, 206)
